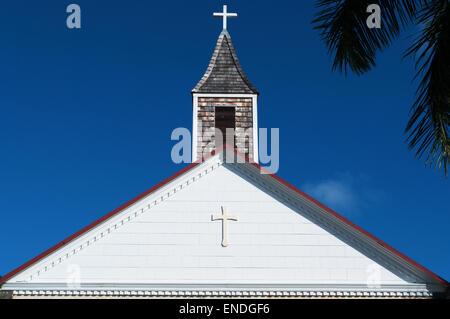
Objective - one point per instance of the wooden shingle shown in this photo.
(224, 73)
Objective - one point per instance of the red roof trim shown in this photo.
(191, 166)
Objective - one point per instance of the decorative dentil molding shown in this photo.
(227, 293)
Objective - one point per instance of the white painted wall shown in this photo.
(175, 242)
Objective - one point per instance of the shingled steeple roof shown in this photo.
(224, 73)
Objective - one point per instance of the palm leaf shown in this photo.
(429, 123)
(343, 28)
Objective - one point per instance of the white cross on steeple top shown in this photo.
(225, 15)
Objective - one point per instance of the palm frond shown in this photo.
(343, 28)
(429, 123)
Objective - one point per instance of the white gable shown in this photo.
(168, 241)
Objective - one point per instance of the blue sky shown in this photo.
(86, 118)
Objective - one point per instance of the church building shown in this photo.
(221, 228)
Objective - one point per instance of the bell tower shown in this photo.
(224, 103)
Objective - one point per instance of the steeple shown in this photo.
(224, 103)
(224, 73)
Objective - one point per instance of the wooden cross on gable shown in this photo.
(225, 15)
(224, 218)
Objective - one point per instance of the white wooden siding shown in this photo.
(175, 242)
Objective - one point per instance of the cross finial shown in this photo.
(225, 15)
